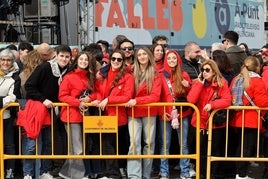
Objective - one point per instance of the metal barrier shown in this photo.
(227, 156)
(99, 125)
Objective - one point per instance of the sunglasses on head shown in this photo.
(117, 59)
(205, 69)
(164, 45)
(127, 48)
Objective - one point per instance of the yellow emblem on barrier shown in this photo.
(100, 124)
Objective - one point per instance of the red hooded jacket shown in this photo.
(166, 95)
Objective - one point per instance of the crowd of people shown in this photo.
(37, 78)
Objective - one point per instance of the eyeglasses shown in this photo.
(205, 69)
(127, 48)
(223, 41)
(6, 60)
(117, 59)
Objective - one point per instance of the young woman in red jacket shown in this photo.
(209, 92)
(116, 85)
(147, 90)
(175, 86)
(248, 81)
(80, 78)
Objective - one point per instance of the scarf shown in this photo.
(237, 92)
(56, 70)
(238, 89)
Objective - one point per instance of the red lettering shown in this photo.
(162, 22)
(148, 22)
(133, 21)
(176, 15)
(115, 15)
(98, 12)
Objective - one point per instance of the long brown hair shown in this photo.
(149, 73)
(176, 73)
(32, 60)
(217, 78)
(91, 68)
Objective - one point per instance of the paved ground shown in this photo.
(255, 172)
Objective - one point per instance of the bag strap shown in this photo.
(171, 90)
(251, 102)
(249, 99)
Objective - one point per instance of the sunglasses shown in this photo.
(117, 59)
(223, 41)
(164, 45)
(127, 48)
(205, 69)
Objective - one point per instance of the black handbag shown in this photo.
(220, 117)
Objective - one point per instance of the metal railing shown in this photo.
(227, 156)
(99, 124)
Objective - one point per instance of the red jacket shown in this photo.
(265, 76)
(166, 95)
(33, 117)
(143, 98)
(259, 95)
(121, 93)
(71, 87)
(202, 94)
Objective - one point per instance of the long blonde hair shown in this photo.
(32, 60)
(251, 63)
(148, 75)
(217, 78)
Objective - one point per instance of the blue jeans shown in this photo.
(29, 148)
(184, 163)
(9, 144)
(140, 127)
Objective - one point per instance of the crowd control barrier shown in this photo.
(97, 124)
(229, 155)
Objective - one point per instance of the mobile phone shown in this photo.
(200, 76)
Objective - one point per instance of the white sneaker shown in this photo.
(122, 172)
(9, 173)
(27, 177)
(85, 177)
(246, 177)
(46, 176)
(192, 172)
(63, 176)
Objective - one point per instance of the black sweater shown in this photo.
(42, 84)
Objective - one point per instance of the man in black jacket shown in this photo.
(43, 86)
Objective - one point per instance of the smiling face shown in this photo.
(207, 72)
(172, 60)
(82, 62)
(6, 63)
(116, 61)
(63, 59)
(143, 57)
(127, 48)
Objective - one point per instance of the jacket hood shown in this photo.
(166, 67)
